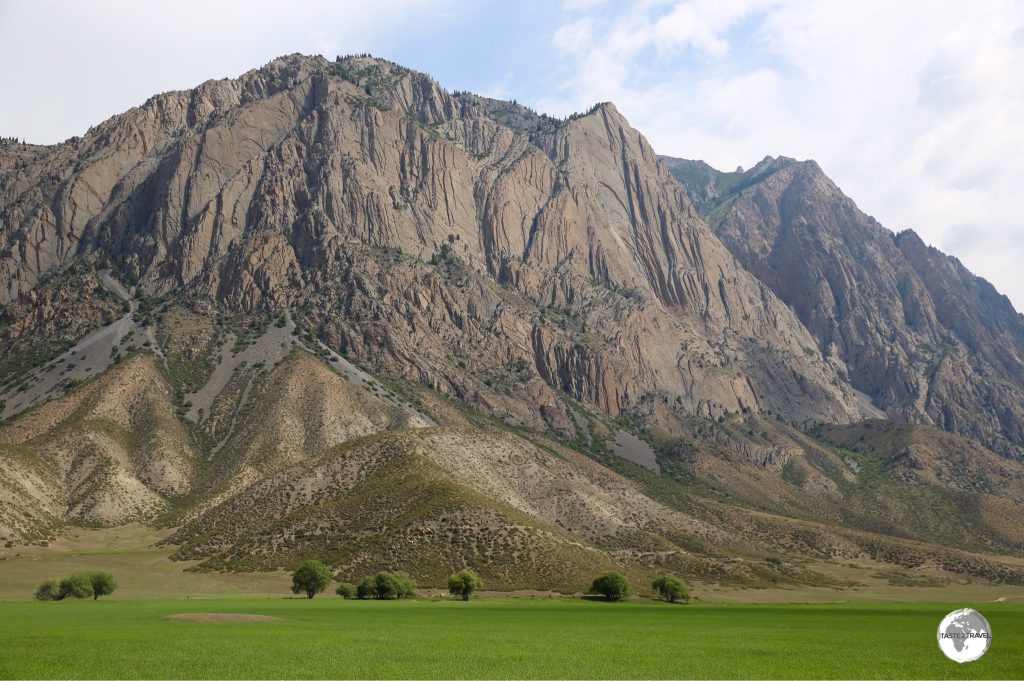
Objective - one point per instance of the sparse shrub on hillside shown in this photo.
(310, 578)
(78, 585)
(463, 583)
(346, 590)
(671, 588)
(103, 584)
(48, 591)
(612, 585)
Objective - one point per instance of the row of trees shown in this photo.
(79, 585)
(614, 586)
(312, 577)
(383, 586)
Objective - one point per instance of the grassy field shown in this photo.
(493, 638)
(142, 569)
(873, 636)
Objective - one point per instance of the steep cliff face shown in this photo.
(330, 308)
(908, 325)
(415, 229)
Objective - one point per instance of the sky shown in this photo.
(915, 109)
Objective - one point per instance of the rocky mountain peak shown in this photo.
(770, 164)
(256, 194)
(926, 339)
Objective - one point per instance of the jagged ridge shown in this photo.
(910, 326)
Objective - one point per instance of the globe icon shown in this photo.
(964, 635)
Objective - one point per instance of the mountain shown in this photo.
(329, 308)
(109, 453)
(323, 187)
(928, 341)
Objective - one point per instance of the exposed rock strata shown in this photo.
(911, 327)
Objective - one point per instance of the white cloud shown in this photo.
(915, 112)
(699, 24)
(582, 5)
(570, 38)
(74, 64)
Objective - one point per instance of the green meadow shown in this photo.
(493, 638)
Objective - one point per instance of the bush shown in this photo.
(463, 583)
(346, 590)
(103, 584)
(366, 588)
(612, 585)
(48, 591)
(392, 585)
(310, 578)
(78, 585)
(671, 588)
(407, 583)
(387, 586)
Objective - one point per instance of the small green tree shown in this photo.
(407, 585)
(367, 588)
(77, 585)
(346, 590)
(310, 578)
(671, 588)
(463, 583)
(103, 584)
(612, 585)
(392, 585)
(48, 591)
(386, 587)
